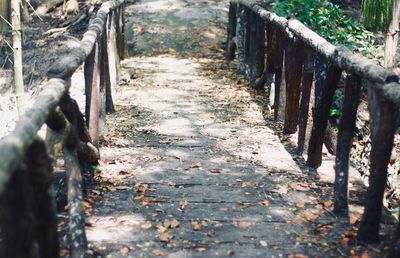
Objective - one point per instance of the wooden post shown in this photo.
(231, 34)
(347, 125)
(76, 224)
(258, 76)
(92, 91)
(240, 38)
(307, 82)
(247, 38)
(293, 73)
(16, 218)
(270, 60)
(104, 81)
(113, 57)
(278, 69)
(121, 32)
(323, 104)
(40, 178)
(383, 115)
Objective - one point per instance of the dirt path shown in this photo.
(190, 166)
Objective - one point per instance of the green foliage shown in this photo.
(328, 21)
(377, 14)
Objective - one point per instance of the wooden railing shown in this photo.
(28, 222)
(275, 49)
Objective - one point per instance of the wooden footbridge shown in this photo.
(202, 179)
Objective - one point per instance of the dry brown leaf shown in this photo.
(146, 226)
(302, 187)
(158, 252)
(297, 256)
(161, 228)
(200, 249)
(215, 171)
(244, 224)
(365, 255)
(344, 241)
(183, 204)
(165, 237)
(124, 250)
(174, 223)
(110, 188)
(210, 234)
(196, 226)
(141, 188)
(230, 252)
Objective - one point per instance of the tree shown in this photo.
(17, 49)
(383, 15)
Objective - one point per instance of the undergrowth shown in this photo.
(329, 21)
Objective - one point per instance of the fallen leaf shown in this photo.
(210, 234)
(64, 252)
(165, 237)
(230, 252)
(174, 223)
(244, 224)
(264, 203)
(110, 188)
(196, 226)
(215, 171)
(354, 220)
(146, 226)
(122, 187)
(200, 249)
(344, 241)
(297, 256)
(300, 205)
(183, 204)
(124, 250)
(365, 255)
(158, 252)
(263, 243)
(141, 188)
(302, 187)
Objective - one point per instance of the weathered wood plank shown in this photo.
(16, 218)
(258, 76)
(40, 178)
(278, 69)
(346, 131)
(383, 116)
(231, 33)
(307, 82)
(320, 121)
(76, 224)
(293, 74)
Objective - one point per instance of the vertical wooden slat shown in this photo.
(293, 74)
(230, 44)
(76, 224)
(347, 126)
(16, 218)
(92, 91)
(278, 69)
(121, 32)
(40, 178)
(104, 80)
(258, 76)
(307, 82)
(240, 38)
(270, 60)
(383, 115)
(323, 104)
(110, 63)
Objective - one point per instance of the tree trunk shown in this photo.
(17, 47)
(392, 37)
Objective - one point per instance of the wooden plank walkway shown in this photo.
(191, 164)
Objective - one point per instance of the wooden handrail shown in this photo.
(24, 231)
(297, 55)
